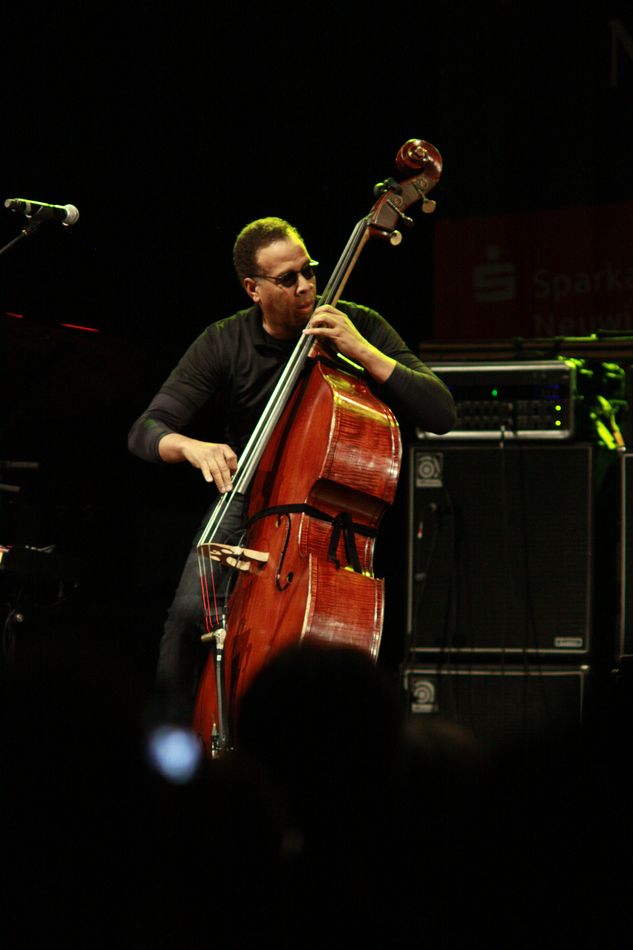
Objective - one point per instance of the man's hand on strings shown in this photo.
(217, 461)
(334, 327)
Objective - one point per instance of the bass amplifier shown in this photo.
(511, 400)
(625, 567)
(499, 704)
(500, 548)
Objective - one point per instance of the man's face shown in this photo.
(286, 310)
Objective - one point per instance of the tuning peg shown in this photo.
(428, 205)
(406, 220)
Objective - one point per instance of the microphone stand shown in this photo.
(25, 232)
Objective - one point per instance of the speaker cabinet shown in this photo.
(500, 548)
(499, 705)
(625, 615)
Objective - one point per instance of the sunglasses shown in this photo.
(292, 276)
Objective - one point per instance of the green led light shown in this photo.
(558, 408)
(557, 423)
(494, 392)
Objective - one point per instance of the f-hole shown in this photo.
(282, 586)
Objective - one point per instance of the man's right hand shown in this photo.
(217, 461)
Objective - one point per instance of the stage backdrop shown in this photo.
(566, 272)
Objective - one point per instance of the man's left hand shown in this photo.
(330, 325)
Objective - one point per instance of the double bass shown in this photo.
(318, 474)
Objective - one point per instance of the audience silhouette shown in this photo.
(339, 819)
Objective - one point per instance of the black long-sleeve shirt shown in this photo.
(237, 359)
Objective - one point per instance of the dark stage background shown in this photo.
(169, 131)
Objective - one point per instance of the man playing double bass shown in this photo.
(241, 358)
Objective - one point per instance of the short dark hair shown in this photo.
(254, 236)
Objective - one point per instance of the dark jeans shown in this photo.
(182, 654)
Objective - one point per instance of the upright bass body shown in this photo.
(327, 476)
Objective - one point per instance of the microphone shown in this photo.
(40, 211)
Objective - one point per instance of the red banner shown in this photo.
(541, 274)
